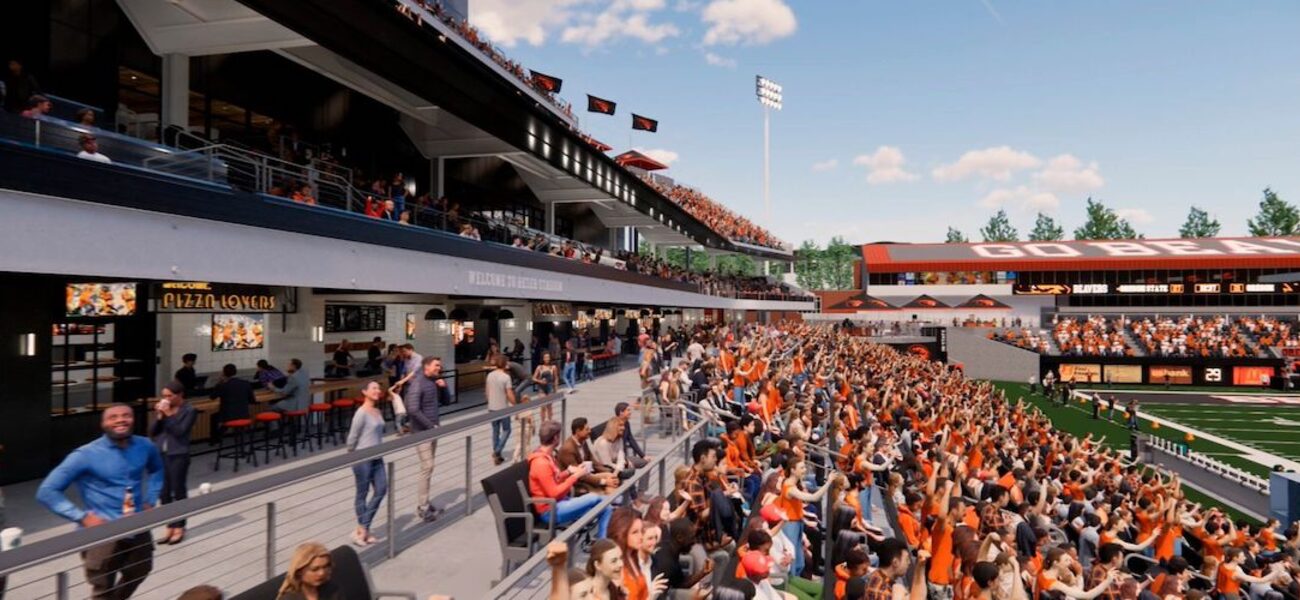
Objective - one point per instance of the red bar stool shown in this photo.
(241, 432)
(298, 433)
(319, 413)
(343, 411)
(266, 421)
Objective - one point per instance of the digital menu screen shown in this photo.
(100, 299)
(238, 332)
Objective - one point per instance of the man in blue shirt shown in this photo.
(109, 472)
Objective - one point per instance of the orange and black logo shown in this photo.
(600, 105)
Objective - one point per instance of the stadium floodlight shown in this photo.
(769, 95)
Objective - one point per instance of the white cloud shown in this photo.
(586, 22)
(1136, 216)
(719, 61)
(1022, 198)
(885, 165)
(747, 21)
(997, 163)
(613, 24)
(825, 165)
(667, 157)
(508, 22)
(1065, 174)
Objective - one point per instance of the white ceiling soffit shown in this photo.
(203, 27)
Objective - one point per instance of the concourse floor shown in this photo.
(456, 555)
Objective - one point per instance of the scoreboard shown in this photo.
(1162, 289)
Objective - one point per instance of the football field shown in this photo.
(1250, 431)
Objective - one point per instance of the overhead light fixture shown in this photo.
(27, 344)
(318, 334)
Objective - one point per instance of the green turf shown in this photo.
(1207, 389)
(1079, 423)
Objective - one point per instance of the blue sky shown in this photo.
(902, 118)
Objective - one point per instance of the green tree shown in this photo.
(1046, 230)
(1199, 225)
(837, 264)
(677, 257)
(1276, 217)
(1104, 224)
(807, 272)
(955, 236)
(1000, 229)
(737, 264)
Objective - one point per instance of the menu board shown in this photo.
(99, 299)
(341, 318)
(238, 332)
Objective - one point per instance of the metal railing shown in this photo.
(1213, 465)
(243, 534)
(533, 578)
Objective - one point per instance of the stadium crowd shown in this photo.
(939, 487)
(1190, 336)
(716, 216)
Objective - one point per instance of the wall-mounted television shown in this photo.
(238, 332)
(99, 299)
(354, 317)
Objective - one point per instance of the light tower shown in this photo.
(769, 95)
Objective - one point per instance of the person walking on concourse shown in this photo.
(109, 473)
(428, 390)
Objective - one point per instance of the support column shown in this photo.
(713, 262)
(550, 218)
(175, 91)
(613, 238)
(688, 259)
(437, 167)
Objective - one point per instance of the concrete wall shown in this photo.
(986, 359)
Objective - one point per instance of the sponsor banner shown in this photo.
(1081, 373)
(1242, 375)
(1177, 374)
(1123, 374)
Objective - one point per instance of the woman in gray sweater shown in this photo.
(367, 431)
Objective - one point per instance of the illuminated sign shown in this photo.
(1213, 374)
(1041, 289)
(1260, 288)
(1207, 288)
(202, 296)
(1096, 249)
(1091, 288)
(1143, 288)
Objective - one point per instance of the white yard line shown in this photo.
(1191, 392)
(1264, 458)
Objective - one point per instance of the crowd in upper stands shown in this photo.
(938, 487)
(1189, 336)
(1091, 336)
(1203, 336)
(470, 34)
(716, 216)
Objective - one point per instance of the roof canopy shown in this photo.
(633, 158)
(925, 301)
(1205, 253)
(982, 301)
(852, 301)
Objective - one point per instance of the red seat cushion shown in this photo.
(295, 413)
(345, 403)
(320, 407)
(234, 423)
(267, 416)
(602, 356)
